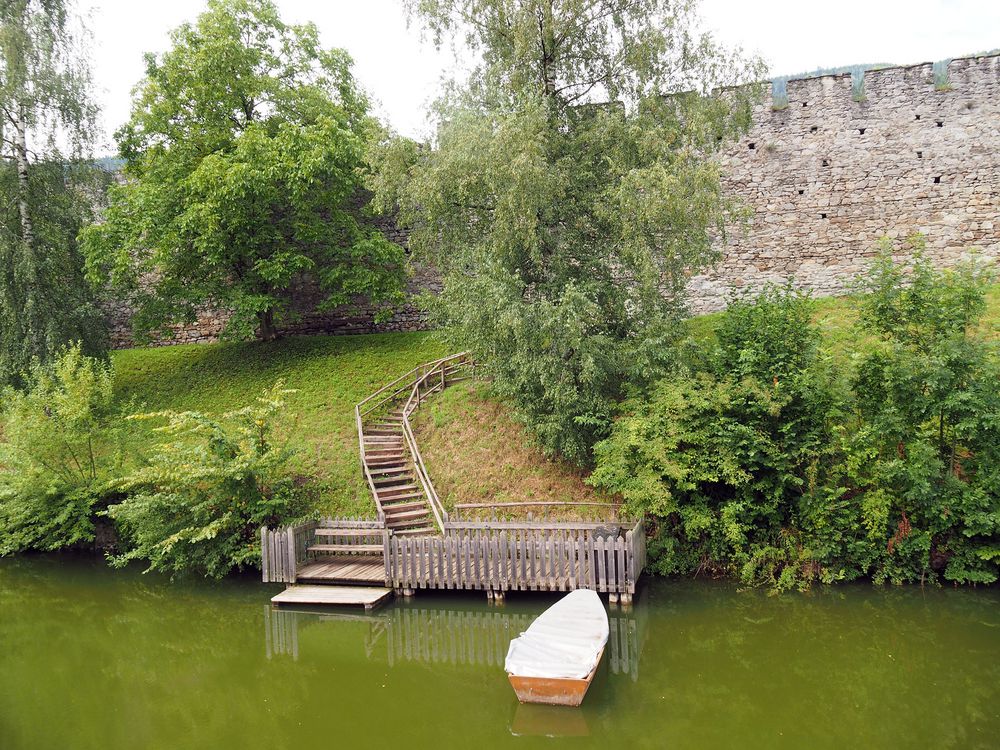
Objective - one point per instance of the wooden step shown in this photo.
(406, 517)
(386, 441)
(406, 505)
(392, 426)
(324, 531)
(385, 453)
(384, 472)
(371, 432)
(390, 463)
(368, 549)
(387, 482)
(415, 531)
(409, 497)
(387, 493)
(380, 466)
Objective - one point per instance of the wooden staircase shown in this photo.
(404, 495)
(393, 481)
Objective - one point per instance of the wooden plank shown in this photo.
(476, 549)
(292, 561)
(602, 573)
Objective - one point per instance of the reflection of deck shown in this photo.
(438, 636)
(344, 569)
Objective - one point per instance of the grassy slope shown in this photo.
(330, 374)
(477, 453)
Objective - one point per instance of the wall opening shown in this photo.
(940, 123)
(920, 154)
(861, 131)
(826, 162)
(802, 192)
(805, 104)
(822, 216)
(813, 129)
(937, 180)
(753, 146)
(918, 117)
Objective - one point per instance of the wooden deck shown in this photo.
(414, 544)
(352, 569)
(366, 596)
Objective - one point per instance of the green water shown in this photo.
(93, 658)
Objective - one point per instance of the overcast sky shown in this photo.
(401, 72)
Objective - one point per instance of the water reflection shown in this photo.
(435, 635)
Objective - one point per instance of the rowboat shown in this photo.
(555, 659)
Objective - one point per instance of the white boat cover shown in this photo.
(564, 642)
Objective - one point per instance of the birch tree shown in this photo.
(47, 119)
(569, 192)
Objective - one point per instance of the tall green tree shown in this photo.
(46, 122)
(569, 192)
(244, 153)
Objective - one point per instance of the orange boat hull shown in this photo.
(554, 691)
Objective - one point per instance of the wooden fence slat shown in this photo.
(602, 580)
(622, 574)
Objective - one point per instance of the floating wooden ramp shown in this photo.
(368, 597)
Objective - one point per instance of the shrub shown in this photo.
(198, 504)
(924, 454)
(64, 441)
(721, 456)
(763, 460)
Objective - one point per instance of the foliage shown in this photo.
(567, 194)
(45, 98)
(65, 440)
(207, 489)
(329, 374)
(924, 453)
(721, 449)
(769, 460)
(243, 153)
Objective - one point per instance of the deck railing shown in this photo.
(284, 550)
(520, 557)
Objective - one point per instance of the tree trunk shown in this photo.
(266, 330)
(21, 160)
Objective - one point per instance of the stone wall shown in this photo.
(825, 177)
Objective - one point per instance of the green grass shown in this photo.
(837, 319)
(329, 373)
(477, 451)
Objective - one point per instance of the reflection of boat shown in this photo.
(555, 659)
(548, 721)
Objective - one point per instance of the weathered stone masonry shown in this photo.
(827, 176)
(824, 177)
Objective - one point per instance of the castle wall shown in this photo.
(826, 176)
(823, 178)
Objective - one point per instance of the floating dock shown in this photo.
(368, 597)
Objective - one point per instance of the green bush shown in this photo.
(198, 504)
(923, 457)
(763, 460)
(720, 455)
(64, 441)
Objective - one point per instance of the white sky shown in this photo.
(401, 72)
